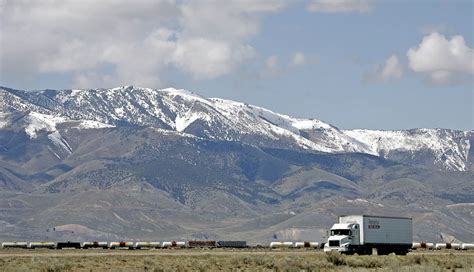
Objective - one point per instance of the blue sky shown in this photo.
(345, 62)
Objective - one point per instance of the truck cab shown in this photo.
(343, 238)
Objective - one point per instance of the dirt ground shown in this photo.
(228, 260)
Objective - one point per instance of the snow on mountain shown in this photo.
(42, 122)
(309, 124)
(451, 148)
(3, 120)
(37, 122)
(90, 124)
(182, 122)
(60, 142)
(218, 119)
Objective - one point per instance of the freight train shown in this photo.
(157, 245)
(207, 244)
(126, 245)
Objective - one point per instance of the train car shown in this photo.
(276, 244)
(147, 245)
(299, 244)
(314, 245)
(456, 246)
(35, 245)
(306, 245)
(14, 245)
(439, 246)
(68, 244)
(423, 245)
(202, 244)
(232, 244)
(416, 245)
(466, 246)
(95, 244)
(121, 245)
(174, 244)
(428, 245)
(281, 244)
(448, 246)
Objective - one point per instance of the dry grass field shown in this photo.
(227, 260)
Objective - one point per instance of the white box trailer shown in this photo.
(361, 233)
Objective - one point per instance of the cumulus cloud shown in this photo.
(271, 67)
(118, 42)
(298, 59)
(207, 58)
(392, 69)
(340, 6)
(277, 65)
(444, 61)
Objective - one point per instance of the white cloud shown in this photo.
(340, 6)
(271, 62)
(119, 42)
(271, 67)
(226, 20)
(276, 66)
(214, 39)
(443, 61)
(207, 58)
(392, 69)
(298, 59)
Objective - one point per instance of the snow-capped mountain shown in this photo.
(138, 163)
(187, 113)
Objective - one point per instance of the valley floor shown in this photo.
(228, 260)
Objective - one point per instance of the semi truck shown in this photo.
(362, 233)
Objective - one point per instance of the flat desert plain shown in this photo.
(228, 260)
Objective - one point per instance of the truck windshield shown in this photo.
(340, 232)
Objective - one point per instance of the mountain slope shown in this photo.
(218, 119)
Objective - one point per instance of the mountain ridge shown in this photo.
(214, 118)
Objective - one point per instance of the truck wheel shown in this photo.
(364, 251)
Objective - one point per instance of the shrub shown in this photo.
(336, 258)
(366, 262)
(449, 263)
(418, 259)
